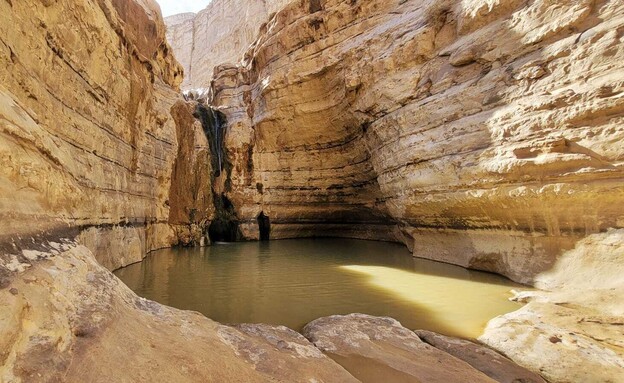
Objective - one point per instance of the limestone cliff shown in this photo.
(220, 33)
(87, 140)
(485, 133)
(102, 159)
(481, 133)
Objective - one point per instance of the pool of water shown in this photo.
(293, 282)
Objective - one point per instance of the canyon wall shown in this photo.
(222, 32)
(481, 133)
(485, 133)
(103, 161)
(87, 137)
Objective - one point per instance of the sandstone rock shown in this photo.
(220, 33)
(73, 321)
(573, 331)
(377, 349)
(485, 131)
(118, 159)
(278, 347)
(87, 140)
(482, 358)
(190, 195)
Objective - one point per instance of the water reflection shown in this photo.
(295, 281)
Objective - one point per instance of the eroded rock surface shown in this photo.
(572, 330)
(483, 133)
(222, 32)
(190, 196)
(277, 347)
(64, 318)
(375, 349)
(88, 138)
(488, 131)
(482, 358)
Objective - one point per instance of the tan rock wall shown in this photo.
(190, 195)
(571, 330)
(87, 137)
(486, 122)
(221, 33)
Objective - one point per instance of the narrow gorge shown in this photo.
(483, 134)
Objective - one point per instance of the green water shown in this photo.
(293, 282)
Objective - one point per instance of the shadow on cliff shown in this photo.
(487, 137)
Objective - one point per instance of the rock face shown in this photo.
(484, 133)
(87, 141)
(380, 349)
(480, 133)
(90, 122)
(190, 195)
(220, 33)
(571, 331)
(67, 319)
(482, 358)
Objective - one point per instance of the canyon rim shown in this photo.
(482, 133)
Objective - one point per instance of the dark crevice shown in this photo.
(315, 6)
(214, 124)
(264, 225)
(225, 225)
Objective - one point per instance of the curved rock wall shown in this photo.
(488, 131)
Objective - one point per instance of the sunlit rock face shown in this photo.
(571, 330)
(222, 32)
(102, 161)
(488, 131)
(88, 136)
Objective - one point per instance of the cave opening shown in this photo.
(225, 226)
(223, 230)
(264, 225)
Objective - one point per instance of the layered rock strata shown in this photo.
(222, 32)
(90, 121)
(480, 133)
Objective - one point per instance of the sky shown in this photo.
(172, 7)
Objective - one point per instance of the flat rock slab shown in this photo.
(484, 359)
(375, 349)
(274, 350)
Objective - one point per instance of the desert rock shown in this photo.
(571, 330)
(484, 359)
(222, 32)
(479, 133)
(374, 349)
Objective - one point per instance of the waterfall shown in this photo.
(214, 125)
(218, 139)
